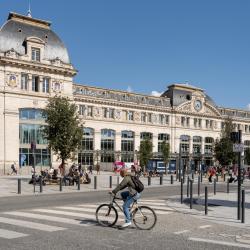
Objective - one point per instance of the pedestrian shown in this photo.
(97, 168)
(90, 169)
(13, 168)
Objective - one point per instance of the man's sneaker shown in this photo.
(127, 224)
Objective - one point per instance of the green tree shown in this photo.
(63, 131)
(165, 149)
(247, 156)
(146, 152)
(224, 147)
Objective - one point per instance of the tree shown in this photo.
(247, 156)
(165, 149)
(224, 147)
(146, 152)
(63, 131)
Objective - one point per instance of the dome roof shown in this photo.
(14, 32)
(210, 100)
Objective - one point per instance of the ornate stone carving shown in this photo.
(97, 112)
(57, 62)
(178, 120)
(12, 53)
(11, 80)
(57, 86)
(215, 125)
(186, 108)
(137, 116)
(154, 118)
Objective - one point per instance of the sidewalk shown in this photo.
(222, 208)
(9, 184)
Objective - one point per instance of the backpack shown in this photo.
(138, 184)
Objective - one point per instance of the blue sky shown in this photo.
(145, 45)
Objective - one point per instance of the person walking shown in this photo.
(97, 168)
(13, 168)
(90, 169)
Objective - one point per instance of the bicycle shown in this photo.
(143, 217)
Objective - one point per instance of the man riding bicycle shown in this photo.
(128, 196)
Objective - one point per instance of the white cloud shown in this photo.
(156, 93)
(248, 107)
(129, 89)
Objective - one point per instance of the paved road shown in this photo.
(67, 221)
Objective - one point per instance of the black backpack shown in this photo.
(138, 184)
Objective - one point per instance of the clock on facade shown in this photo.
(197, 105)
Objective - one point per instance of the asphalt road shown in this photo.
(174, 230)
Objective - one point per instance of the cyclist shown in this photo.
(128, 196)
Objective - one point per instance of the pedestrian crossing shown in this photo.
(59, 218)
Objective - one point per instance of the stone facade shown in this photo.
(38, 66)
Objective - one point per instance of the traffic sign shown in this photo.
(238, 147)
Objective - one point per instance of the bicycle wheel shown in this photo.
(144, 218)
(106, 215)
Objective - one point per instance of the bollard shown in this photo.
(110, 181)
(243, 206)
(199, 185)
(149, 180)
(201, 176)
(228, 186)
(206, 203)
(19, 186)
(188, 186)
(191, 194)
(79, 183)
(193, 176)
(176, 172)
(181, 190)
(224, 177)
(41, 184)
(172, 179)
(95, 182)
(217, 177)
(215, 186)
(60, 184)
(161, 179)
(118, 181)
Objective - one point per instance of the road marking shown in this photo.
(7, 234)
(47, 217)
(205, 226)
(81, 215)
(29, 224)
(182, 232)
(224, 243)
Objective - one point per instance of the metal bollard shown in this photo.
(181, 190)
(224, 177)
(118, 181)
(193, 176)
(243, 206)
(161, 179)
(199, 185)
(79, 183)
(95, 182)
(217, 177)
(60, 184)
(110, 181)
(228, 186)
(206, 203)
(19, 186)
(172, 179)
(191, 194)
(41, 184)
(149, 180)
(188, 186)
(215, 186)
(201, 176)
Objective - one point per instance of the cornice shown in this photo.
(38, 66)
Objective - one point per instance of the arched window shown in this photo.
(184, 144)
(107, 145)
(197, 145)
(146, 135)
(127, 146)
(247, 143)
(208, 150)
(161, 139)
(209, 140)
(197, 139)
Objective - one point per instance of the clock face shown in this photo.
(197, 105)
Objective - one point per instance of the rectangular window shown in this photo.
(130, 115)
(81, 109)
(162, 119)
(35, 54)
(90, 111)
(149, 117)
(207, 123)
(35, 83)
(24, 81)
(183, 121)
(46, 85)
(188, 121)
(143, 117)
(195, 122)
(200, 121)
(108, 113)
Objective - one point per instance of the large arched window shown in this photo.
(209, 143)
(85, 156)
(107, 145)
(127, 146)
(161, 139)
(197, 145)
(184, 144)
(31, 124)
(146, 135)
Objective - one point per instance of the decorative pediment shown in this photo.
(210, 110)
(34, 39)
(12, 54)
(57, 62)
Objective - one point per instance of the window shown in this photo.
(109, 113)
(200, 121)
(209, 140)
(127, 146)
(143, 117)
(130, 115)
(146, 135)
(35, 83)
(183, 121)
(161, 139)
(207, 123)
(81, 109)
(188, 121)
(149, 117)
(163, 119)
(45, 85)
(35, 54)
(107, 145)
(85, 110)
(31, 114)
(24, 81)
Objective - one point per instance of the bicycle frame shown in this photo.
(112, 202)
